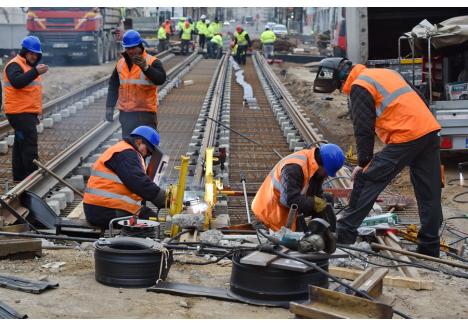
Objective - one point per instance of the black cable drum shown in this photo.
(129, 262)
(273, 286)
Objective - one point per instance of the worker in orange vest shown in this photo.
(118, 181)
(384, 103)
(297, 179)
(133, 86)
(23, 104)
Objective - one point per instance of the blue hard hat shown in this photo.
(32, 43)
(148, 134)
(131, 38)
(332, 158)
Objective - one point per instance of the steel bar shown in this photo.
(42, 166)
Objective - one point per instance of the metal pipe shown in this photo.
(291, 215)
(111, 223)
(45, 236)
(430, 68)
(242, 177)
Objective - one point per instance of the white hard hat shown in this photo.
(207, 21)
(202, 17)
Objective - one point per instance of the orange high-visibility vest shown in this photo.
(136, 91)
(105, 188)
(402, 115)
(168, 28)
(269, 206)
(23, 100)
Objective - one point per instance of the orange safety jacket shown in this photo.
(402, 116)
(136, 91)
(105, 188)
(22, 100)
(168, 28)
(269, 204)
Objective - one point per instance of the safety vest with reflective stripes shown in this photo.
(241, 38)
(217, 39)
(162, 34)
(136, 91)
(216, 27)
(209, 32)
(22, 100)
(402, 115)
(186, 33)
(268, 37)
(270, 203)
(105, 188)
(201, 27)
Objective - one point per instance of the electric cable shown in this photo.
(455, 197)
(373, 263)
(214, 261)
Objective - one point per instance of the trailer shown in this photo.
(86, 33)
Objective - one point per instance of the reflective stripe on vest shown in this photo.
(27, 99)
(241, 38)
(277, 183)
(105, 175)
(103, 193)
(387, 97)
(141, 81)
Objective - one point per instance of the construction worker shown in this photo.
(209, 35)
(168, 27)
(23, 104)
(216, 26)
(180, 24)
(384, 103)
(201, 30)
(118, 181)
(297, 179)
(242, 39)
(186, 36)
(162, 38)
(217, 46)
(268, 38)
(133, 86)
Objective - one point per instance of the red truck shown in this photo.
(77, 32)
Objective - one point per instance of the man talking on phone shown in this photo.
(133, 86)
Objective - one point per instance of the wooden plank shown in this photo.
(329, 304)
(371, 281)
(17, 228)
(391, 281)
(11, 247)
(77, 212)
(408, 271)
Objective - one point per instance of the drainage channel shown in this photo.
(72, 155)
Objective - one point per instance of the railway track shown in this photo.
(188, 112)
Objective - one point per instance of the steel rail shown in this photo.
(62, 102)
(40, 183)
(296, 114)
(209, 135)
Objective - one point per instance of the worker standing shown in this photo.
(201, 30)
(186, 36)
(242, 39)
(162, 38)
(168, 28)
(133, 86)
(23, 104)
(216, 26)
(118, 181)
(268, 39)
(384, 103)
(217, 46)
(180, 24)
(209, 35)
(297, 179)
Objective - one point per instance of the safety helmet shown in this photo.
(239, 29)
(150, 135)
(187, 24)
(332, 158)
(202, 17)
(267, 28)
(331, 74)
(32, 43)
(131, 38)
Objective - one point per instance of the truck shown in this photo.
(86, 33)
(372, 36)
(12, 30)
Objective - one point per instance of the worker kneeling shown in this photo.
(118, 181)
(297, 179)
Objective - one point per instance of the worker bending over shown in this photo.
(118, 181)
(384, 103)
(242, 40)
(216, 46)
(133, 86)
(297, 179)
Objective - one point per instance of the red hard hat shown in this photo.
(238, 29)
(187, 24)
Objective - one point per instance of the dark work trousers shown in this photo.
(185, 47)
(242, 54)
(131, 120)
(201, 40)
(423, 158)
(25, 145)
(162, 45)
(100, 216)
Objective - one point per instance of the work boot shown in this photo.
(433, 251)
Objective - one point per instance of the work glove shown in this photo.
(160, 200)
(146, 212)
(319, 204)
(110, 114)
(140, 62)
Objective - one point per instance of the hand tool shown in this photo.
(242, 177)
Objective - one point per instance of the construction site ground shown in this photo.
(80, 296)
